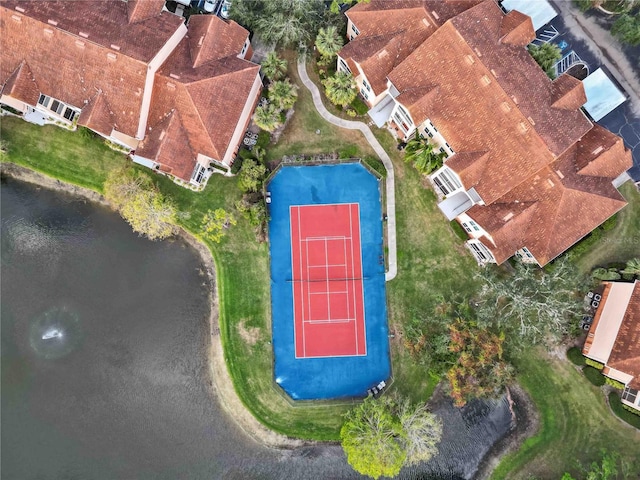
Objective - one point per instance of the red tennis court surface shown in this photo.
(328, 307)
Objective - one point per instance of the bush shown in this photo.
(458, 230)
(610, 224)
(594, 376)
(622, 411)
(359, 106)
(237, 163)
(614, 383)
(605, 274)
(594, 364)
(574, 354)
(375, 164)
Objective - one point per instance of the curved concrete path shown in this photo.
(382, 154)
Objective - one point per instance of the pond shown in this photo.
(104, 361)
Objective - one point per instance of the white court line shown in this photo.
(329, 265)
(326, 261)
(364, 316)
(304, 337)
(293, 286)
(337, 320)
(353, 284)
(324, 293)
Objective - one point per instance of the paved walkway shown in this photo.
(382, 154)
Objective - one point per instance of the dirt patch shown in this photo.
(250, 335)
(526, 424)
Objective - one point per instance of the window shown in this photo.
(364, 93)
(481, 252)
(342, 65)
(366, 85)
(70, 114)
(402, 119)
(198, 173)
(471, 226)
(447, 182)
(355, 30)
(630, 395)
(44, 100)
(56, 106)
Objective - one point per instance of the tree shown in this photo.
(479, 371)
(340, 89)
(214, 224)
(267, 117)
(633, 267)
(284, 23)
(274, 67)
(531, 304)
(140, 203)
(380, 436)
(546, 55)
(283, 94)
(423, 155)
(627, 29)
(251, 176)
(328, 41)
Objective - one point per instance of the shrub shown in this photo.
(574, 354)
(594, 376)
(351, 112)
(630, 409)
(359, 106)
(622, 411)
(614, 383)
(376, 164)
(610, 224)
(237, 163)
(594, 364)
(458, 230)
(605, 274)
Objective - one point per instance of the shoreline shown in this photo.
(221, 382)
(525, 416)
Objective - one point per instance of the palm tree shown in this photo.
(547, 55)
(274, 67)
(328, 41)
(340, 89)
(423, 155)
(283, 94)
(267, 117)
(633, 267)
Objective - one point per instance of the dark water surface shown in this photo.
(125, 392)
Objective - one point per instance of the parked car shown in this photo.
(224, 11)
(209, 6)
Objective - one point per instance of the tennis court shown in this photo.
(330, 334)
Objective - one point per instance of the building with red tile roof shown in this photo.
(614, 337)
(178, 98)
(527, 172)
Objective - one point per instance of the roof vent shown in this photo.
(470, 59)
(111, 57)
(52, 22)
(559, 173)
(16, 18)
(493, 72)
(506, 108)
(20, 9)
(523, 127)
(508, 217)
(171, 85)
(48, 32)
(115, 47)
(162, 134)
(383, 53)
(531, 121)
(173, 75)
(485, 80)
(426, 22)
(435, 15)
(200, 41)
(597, 150)
(475, 49)
(515, 99)
(79, 44)
(83, 35)
(550, 182)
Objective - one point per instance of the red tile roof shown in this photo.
(78, 49)
(625, 354)
(22, 85)
(209, 99)
(211, 38)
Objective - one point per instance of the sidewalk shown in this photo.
(382, 154)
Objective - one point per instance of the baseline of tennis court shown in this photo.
(328, 298)
(327, 280)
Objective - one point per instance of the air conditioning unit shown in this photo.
(590, 295)
(597, 297)
(595, 304)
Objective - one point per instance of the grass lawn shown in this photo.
(576, 423)
(621, 243)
